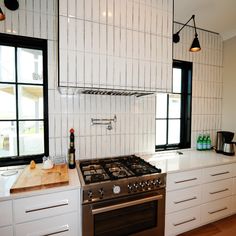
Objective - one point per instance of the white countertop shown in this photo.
(171, 162)
(8, 181)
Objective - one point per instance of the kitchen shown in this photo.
(88, 63)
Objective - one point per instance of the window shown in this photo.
(23, 99)
(173, 110)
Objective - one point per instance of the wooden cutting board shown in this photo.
(38, 178)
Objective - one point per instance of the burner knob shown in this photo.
(147, 183)
(101, 192)
(116, 189)
(90, 194)
(130, 188)
(142, 185)
(136, 186)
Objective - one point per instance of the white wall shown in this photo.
(207, 79)
(229, 86)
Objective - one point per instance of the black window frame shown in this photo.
(38, 44)
(186, 108)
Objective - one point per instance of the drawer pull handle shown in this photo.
(186, 180)
(52, 231)
(44, 207)
(184, 222)
(221, 173)
(186, 200)
(212, 212)
(220, 191)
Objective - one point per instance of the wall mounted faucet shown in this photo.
(107, 122)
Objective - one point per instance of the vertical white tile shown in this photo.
(87, 66)
(80, 9)
(129, 14)
(110, 40)
(71, 8)
(63, 7)
(88, 9)
(103, 11)
(88, 36)
(103, 37)
(95, 9)
(117, 12)
(123, 13)
(71, 34)
(110, 12)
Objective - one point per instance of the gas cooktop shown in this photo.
(110, 178)
(94, 171)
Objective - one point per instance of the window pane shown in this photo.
(8, 141)
(174, 131)
(161, 105)
(31, 137)
(177, 73)
(174, 105)
(7, 64)
(7, 102)
(160, 132)
(30, 99)
(30, 66)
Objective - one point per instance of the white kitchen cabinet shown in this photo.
(182, 199)
(216, 190)
(6, 213)
(215, 210)
(183, 179)
(6, 231)
(182, 221)
(37, 207)
(64, 225)
(217, 173)
(197, 197)
(100, 46)
(48, 214)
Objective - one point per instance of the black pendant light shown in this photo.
(2, 15)
(11, 4)
(195, 47)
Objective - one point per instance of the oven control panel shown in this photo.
(125, 187)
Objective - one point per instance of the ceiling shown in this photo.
(214, 15)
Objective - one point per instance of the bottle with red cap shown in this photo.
(71, 151)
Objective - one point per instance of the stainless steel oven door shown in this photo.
(139, 215)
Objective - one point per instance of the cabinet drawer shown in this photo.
(217, 190)
(6, 211)
(6, 231)
(217, 173)
(182, 199)
(32, 208)
(59, 225)
(182, 221)
(183, 179)
(215, 210)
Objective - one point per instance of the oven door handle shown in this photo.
(126, 204)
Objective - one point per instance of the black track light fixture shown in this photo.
(2, 15)
(11, 4)
(195, 47)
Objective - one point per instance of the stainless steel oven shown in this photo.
(140, 215)
(122, 196)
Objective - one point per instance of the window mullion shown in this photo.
(167, 120)
(17, 109)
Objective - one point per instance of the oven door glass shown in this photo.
(126, 218)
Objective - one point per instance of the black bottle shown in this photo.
(71, 151)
